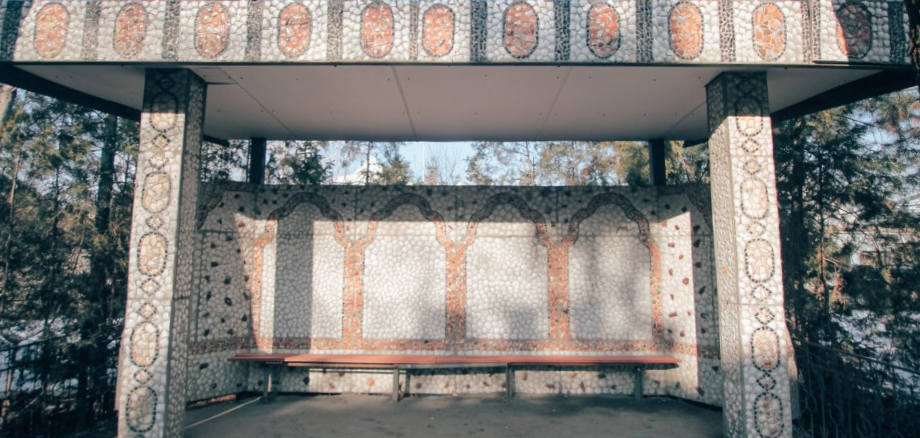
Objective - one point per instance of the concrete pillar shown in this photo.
(657, 171)
(752, 328)
(257, 161)
(152, 371)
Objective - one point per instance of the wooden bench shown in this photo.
(407, 363)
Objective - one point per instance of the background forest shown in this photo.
(850, 221)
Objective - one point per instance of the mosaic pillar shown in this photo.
(752, 328)
(152, 372)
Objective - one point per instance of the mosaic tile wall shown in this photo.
(456, 270)
(754, 340)
(456, 31)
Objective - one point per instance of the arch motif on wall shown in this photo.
(456, 253)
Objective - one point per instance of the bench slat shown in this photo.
(498, 360)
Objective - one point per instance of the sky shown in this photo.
(417, 153)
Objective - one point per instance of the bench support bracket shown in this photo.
(396, 383)
(509, 381)
(639, 382)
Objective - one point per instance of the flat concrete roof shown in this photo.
(452, 102)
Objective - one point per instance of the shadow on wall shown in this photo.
(462, 269)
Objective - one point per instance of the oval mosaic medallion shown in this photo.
(130, 30)
(51, 30)
(765, 349)
(768, 415)
(163, 110)
(754, 198)
(603, 30)
(854, 30)
(141, 409)
(749, 116)
(144, 341)
(377, 29)
(294, 26)
(212, 30)
(758, 260)
(685, 26)
(438, 30)
(152, 254)
(769, 31)
(520, 28)
(157, 187)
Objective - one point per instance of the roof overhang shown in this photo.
(455, 102)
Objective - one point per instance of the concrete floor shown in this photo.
(366, 416)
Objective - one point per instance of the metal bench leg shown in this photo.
(407, 386)
(266, 383)
(509, 382)
(639, 383)
(395, 384)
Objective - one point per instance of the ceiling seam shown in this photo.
(405, 104)
(552, 105)
(267, 110)
(681, 120)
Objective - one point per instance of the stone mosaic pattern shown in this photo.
(769, 31)
(294, 31)
(754, 339)
(604, 31)
(866, 31)
(153, 368)
(784, 32)
(330, 269)
(518, 30)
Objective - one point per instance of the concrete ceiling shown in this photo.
(451, 103)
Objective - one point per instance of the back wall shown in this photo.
(456, 270)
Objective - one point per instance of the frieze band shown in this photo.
(786, 32)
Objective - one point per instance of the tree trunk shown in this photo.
(793, 228)
(7, 93)
(93, 329)
(367, 165)
(7, 98)
(106, 174)
(913, 22)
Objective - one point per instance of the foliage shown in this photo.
(224, 163)
(847, 189)
(847, 185)
(579, 163)
(441, 168)
(393, 167)
(297, 162)
(67, 175)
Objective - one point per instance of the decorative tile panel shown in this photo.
(769, 32)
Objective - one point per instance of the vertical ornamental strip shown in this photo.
(752, 323)
(151, 401)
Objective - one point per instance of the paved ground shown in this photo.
(364, 416)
